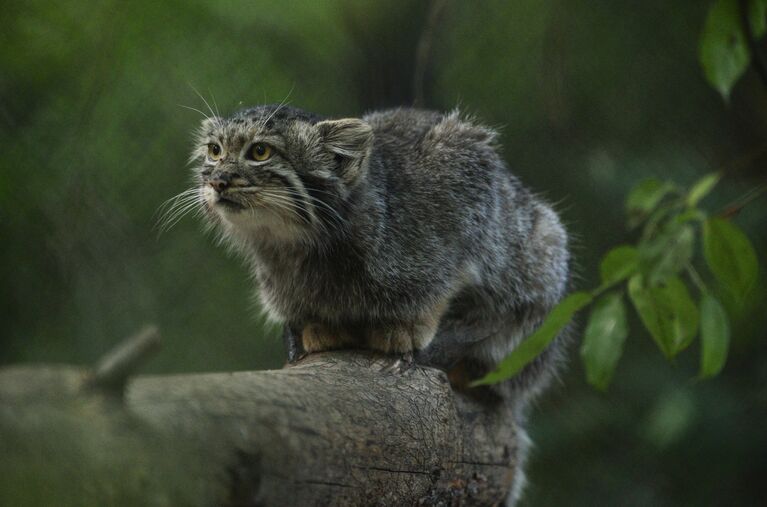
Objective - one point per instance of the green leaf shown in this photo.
(667, 311)
(714, 336)
(603, 339)
(669, 419)
(618, 264)
(723, 50)
(701, 188)
(644, 198)
(730, 256)
(689, 215)
(757, 16)
(533, 345)
(667, 253)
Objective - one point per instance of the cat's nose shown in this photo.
(219, 184)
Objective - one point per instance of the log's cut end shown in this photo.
(340, 428)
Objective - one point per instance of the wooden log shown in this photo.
(340, 428)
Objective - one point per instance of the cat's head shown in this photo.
(279, 171)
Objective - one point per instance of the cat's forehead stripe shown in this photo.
(276, 113)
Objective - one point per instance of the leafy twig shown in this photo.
(756, 60)
(736, 206)
(696, 278)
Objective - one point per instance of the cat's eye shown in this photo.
(214, 151)
(260, 152)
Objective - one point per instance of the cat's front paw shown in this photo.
(318, 337)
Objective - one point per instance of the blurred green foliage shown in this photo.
(591, 97)
(724, 45)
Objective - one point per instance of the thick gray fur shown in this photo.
(402, 231)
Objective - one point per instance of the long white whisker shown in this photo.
(317, 190)
(178, 211)
(313, 189)
(173, 220)
(175, 200)
(287, 200)
(172, 210)
(336, 221)
(213, 114)
(215, 105)
(275, 196)
(328, 207)
(183, 202)
(194, 109)
(284, 206)
(287, 195)
(324, 206)
(276, 109)
(186, 192)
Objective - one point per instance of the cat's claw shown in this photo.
(401, 365)
(294, 344)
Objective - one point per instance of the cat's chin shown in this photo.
(229, 206)
(259, 223)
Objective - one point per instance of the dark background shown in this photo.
(590, 96)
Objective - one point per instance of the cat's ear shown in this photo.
(351, 141)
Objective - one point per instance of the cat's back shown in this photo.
(431, 147)
(402, 125)
(439, 186)
(427, 130)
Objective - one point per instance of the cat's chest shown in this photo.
(325, 287)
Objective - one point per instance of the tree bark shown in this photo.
(341, 428)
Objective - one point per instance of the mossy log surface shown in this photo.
(339, 428)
